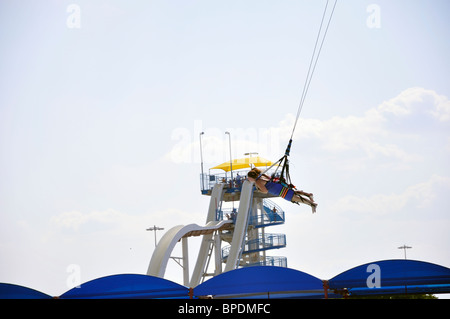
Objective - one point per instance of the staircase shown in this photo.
(257, 242)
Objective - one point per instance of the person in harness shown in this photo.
(266, 184)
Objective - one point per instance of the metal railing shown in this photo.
(263, 242)
(278, 261)
(228, 213)
(272, 215)
(207, 181)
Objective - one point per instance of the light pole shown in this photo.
(201, 160)
(154, 228)
(231, 164)
(250, 155)
(404, 247)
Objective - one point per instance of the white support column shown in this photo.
(258, 215)
(240, 227)
(263, 234)
(200, 265)
(184, 244)
(217, 253)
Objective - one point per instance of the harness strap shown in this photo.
(284, 192)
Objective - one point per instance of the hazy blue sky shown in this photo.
(99, 124)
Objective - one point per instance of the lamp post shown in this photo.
(404, 247)
(201, 160)
(231, 164)
(154, 228)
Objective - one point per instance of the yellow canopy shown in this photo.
(242, 163)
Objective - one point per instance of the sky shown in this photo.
(102, 103)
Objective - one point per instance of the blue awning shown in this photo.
(395, 290)
(10, 291)
(393, 277)
(127, 286)
(262, 282)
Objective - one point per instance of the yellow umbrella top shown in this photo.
(242, 163)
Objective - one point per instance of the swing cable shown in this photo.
(312, 66)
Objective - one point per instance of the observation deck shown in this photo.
(235, 173)
(232, 185)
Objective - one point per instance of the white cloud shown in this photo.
(378, 134)
(115, 220)
(420, 101)
(420, 195)
(389, 133)
(75, 219)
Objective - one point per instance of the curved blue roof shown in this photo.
(262, 281)
(378, 277)
(394, 276)
(10, 291)
(127, 286)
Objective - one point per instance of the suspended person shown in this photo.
(266, 185)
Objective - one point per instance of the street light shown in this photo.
(201, 160)
(404, 247)
(154, 228)
(231, 164)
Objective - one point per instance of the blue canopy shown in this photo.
(379, 277)
(260, 282)
(127, 286)
(10, 291)
(393, 277)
